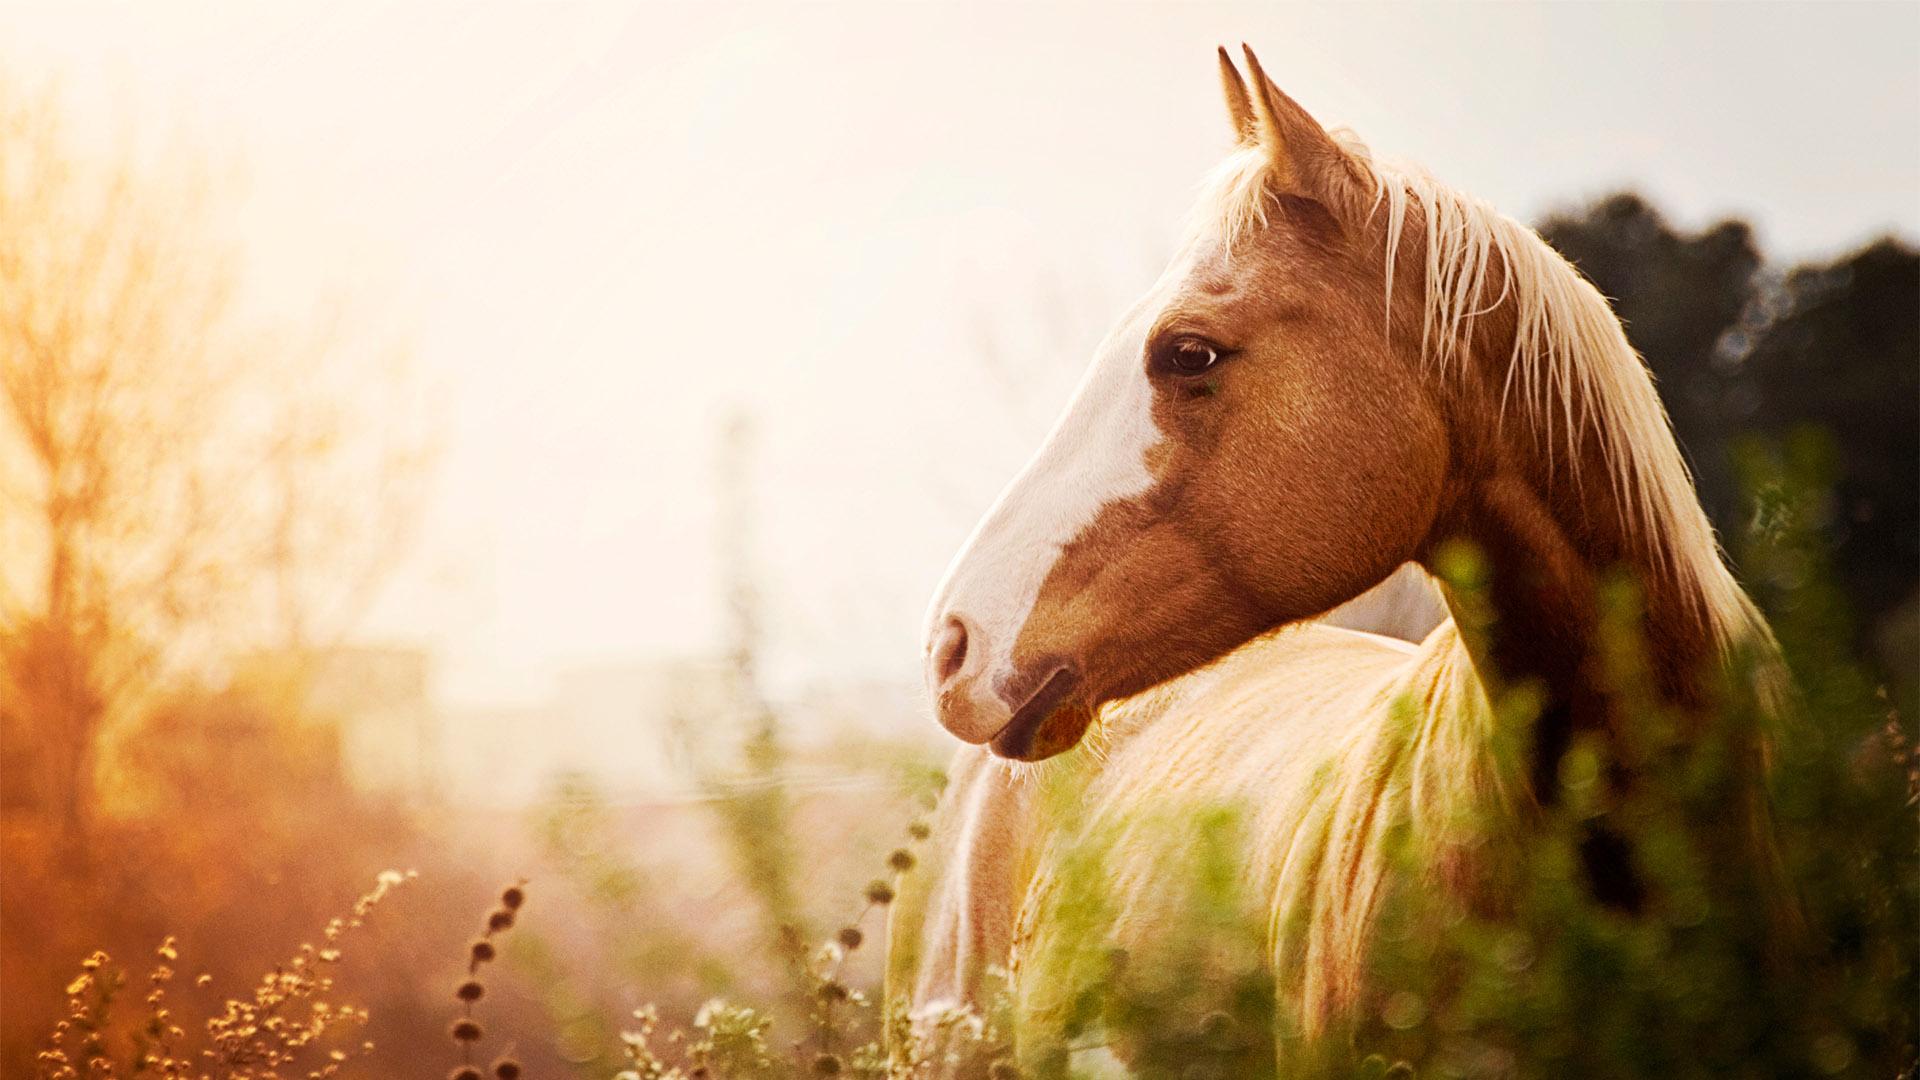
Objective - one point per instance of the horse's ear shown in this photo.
(1239, 105)
(1306, 160)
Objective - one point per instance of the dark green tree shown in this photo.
(1841, 351)
(1679, 296)
(1741, 350)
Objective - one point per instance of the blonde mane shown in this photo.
(1572, 373)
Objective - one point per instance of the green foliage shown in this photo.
(1778, 878)
(728, 1040)
(848, 1034)
(1712, 978)
(756, 813)
(1196, 999)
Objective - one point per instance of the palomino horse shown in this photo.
(1347, 367)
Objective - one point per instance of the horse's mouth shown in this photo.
(1042, 727)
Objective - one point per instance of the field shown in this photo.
(461, 591)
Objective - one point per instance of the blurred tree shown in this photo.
(172, 479)
(1739, 350)
(1678, 295)
(1840, 349)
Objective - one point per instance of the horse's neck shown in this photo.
(1548, 520)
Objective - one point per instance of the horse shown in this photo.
(1349, 375)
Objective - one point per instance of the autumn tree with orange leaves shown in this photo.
(177, 480)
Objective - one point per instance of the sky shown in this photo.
(888, 234)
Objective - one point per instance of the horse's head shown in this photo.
(1250, 447)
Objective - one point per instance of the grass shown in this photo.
(290, 1022)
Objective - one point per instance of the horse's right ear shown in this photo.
(1306, 160)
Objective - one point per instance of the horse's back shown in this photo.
(1233, 834)
(1234, 747)
(1240, 723)
(1228, 732)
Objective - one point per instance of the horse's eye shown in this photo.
(1190, 356)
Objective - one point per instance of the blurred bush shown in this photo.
(1719, 975)
(1741, 348)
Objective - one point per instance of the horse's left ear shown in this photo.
(1239, 105)
(1306, 160)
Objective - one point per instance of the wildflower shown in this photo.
(826, 1065)
(850, 937)
(792, 942)
(465, 1072)
(482, 951)
(879, 892)
(466, 1030)
(901, 860)
(513, 898)
(500, 920)
(469, 990)
(506, 1069)
(919, 830)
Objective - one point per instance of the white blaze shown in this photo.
(1096, 455)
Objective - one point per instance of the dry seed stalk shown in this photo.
(466, 1031)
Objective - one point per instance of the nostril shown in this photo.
(949, 651)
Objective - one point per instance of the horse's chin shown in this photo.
(1056, 732)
